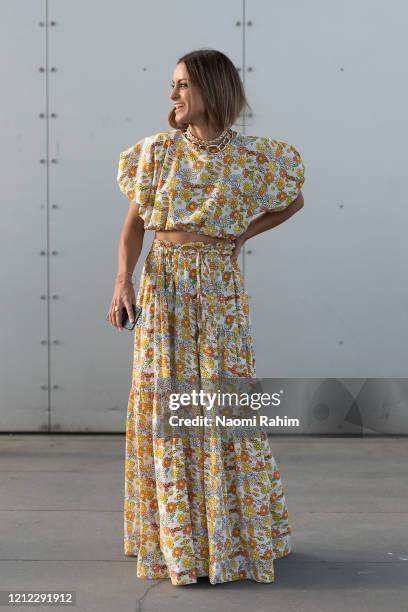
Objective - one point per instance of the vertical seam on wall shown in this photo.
(47, 208)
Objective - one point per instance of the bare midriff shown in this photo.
(180, 237)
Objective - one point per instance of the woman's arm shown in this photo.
(266, 221)
(271, 219)
(130, 242)
(129, 249)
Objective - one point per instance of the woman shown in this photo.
(209, 504)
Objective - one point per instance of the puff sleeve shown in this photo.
(279, 177)
(135, 176)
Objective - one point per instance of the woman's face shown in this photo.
(187, 95)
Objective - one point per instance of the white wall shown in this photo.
(327, 290)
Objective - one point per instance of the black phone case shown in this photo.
(137, 311)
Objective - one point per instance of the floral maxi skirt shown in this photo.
(210, 505)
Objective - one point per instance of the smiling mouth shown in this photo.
(176, 108)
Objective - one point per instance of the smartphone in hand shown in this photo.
(137, 311)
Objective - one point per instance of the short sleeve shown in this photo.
(136, 171)
(279, 177)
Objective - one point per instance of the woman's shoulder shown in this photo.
(275, 151)
(268, 143)
(160, 138)
(151, 142)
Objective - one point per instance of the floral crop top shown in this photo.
(180, 187)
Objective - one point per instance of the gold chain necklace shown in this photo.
(212, 146)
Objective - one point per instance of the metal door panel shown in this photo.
(327, 291)
(23, 262)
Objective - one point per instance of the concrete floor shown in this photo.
(61, 528)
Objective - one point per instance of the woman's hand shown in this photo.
(124, 295)
(238, 244)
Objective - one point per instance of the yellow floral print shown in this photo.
(216, 194)
(212, 505)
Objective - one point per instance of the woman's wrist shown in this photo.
(124, 277)
(124, 281)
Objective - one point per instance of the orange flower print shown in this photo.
(191, 206)
(210, 504)
(209, 350)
